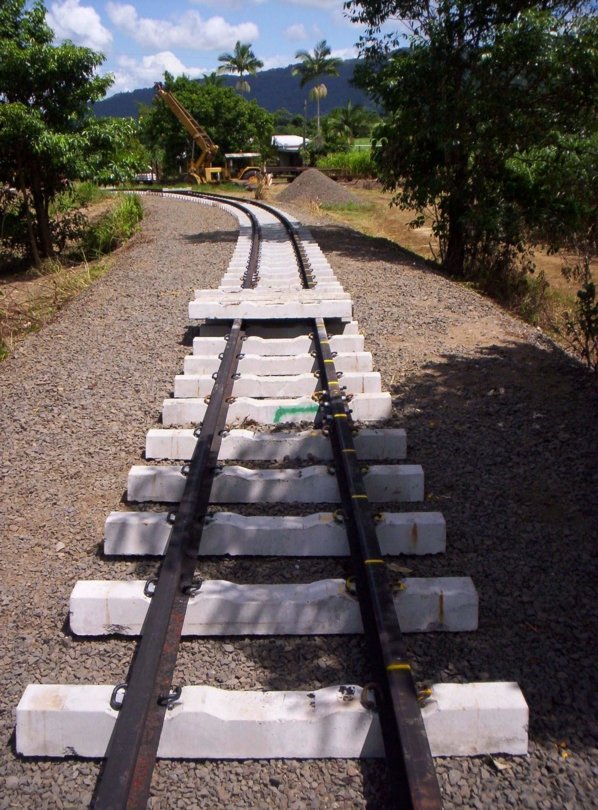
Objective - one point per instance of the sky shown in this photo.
(141, 40)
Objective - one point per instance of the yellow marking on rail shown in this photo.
(359, 497)
(374, 562)
(340, 415)
(399, 666)
(349, 450)
(329, 361)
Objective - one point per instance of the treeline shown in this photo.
(490, 120)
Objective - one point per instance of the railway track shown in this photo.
(277, 349)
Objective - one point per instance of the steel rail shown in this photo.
(125, 780)
(411, 767)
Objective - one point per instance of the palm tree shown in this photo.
(241, 61)
(213, 79)
(348, 122)
(312, 66)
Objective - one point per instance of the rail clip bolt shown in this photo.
(193, 588)
(369, 693)
(117, 697)
(149, 589)
(171, 698)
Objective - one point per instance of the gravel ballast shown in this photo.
(503, 422)
(312, 186)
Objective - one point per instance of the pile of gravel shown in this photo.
(313, 186)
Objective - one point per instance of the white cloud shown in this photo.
(134, 73)
(296, 32)
(277, 61)
(325, 5)
(81, 24)
(190, 30)
(233, 5)
(344, 53)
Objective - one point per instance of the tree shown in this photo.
(214, 79)
(241, 61)
(348, 122)
(481, 83)
(47, 132)
(231, 121)
(311, 67)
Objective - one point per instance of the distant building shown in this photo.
(288, 149)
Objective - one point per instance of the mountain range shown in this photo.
(272, 89)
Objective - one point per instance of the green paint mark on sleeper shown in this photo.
(292, 410)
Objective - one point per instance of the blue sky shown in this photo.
(143, 39)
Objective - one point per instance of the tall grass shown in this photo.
(113, 228)
(355, 164)
(58, 283)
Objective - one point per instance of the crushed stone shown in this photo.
(313, 186)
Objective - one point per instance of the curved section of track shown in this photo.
(278, 290)
(283, 264)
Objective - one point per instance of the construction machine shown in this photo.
(200, 168)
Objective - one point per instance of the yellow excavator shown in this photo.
(200, 168)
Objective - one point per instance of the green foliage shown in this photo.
(288, 124)
(77, 195)
(112, 152)
(232, 122)
(313, 65)
(113, 228)
(214, 78)
(355, 164)
(581, 326)
(346, 123)
(559, 184)
(47, 132)
(13, 233)
(343, 208)
(241, 61)
(484, 90)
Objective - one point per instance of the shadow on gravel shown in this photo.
(353, 245)
(211, 237)
(509, 443)
(190, 332)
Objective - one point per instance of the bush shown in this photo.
(114, 228)
(355, 164)
(507, 274)
(77, 195)
(580, 328)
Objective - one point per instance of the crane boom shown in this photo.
(200, 168)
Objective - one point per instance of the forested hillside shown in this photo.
(272, 89)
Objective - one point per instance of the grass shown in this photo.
(44, 297)
(362, 145)
(79, 195)
(355, 164)
(375, 217)
(114, 228)
(32, 301)
(545, 298)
